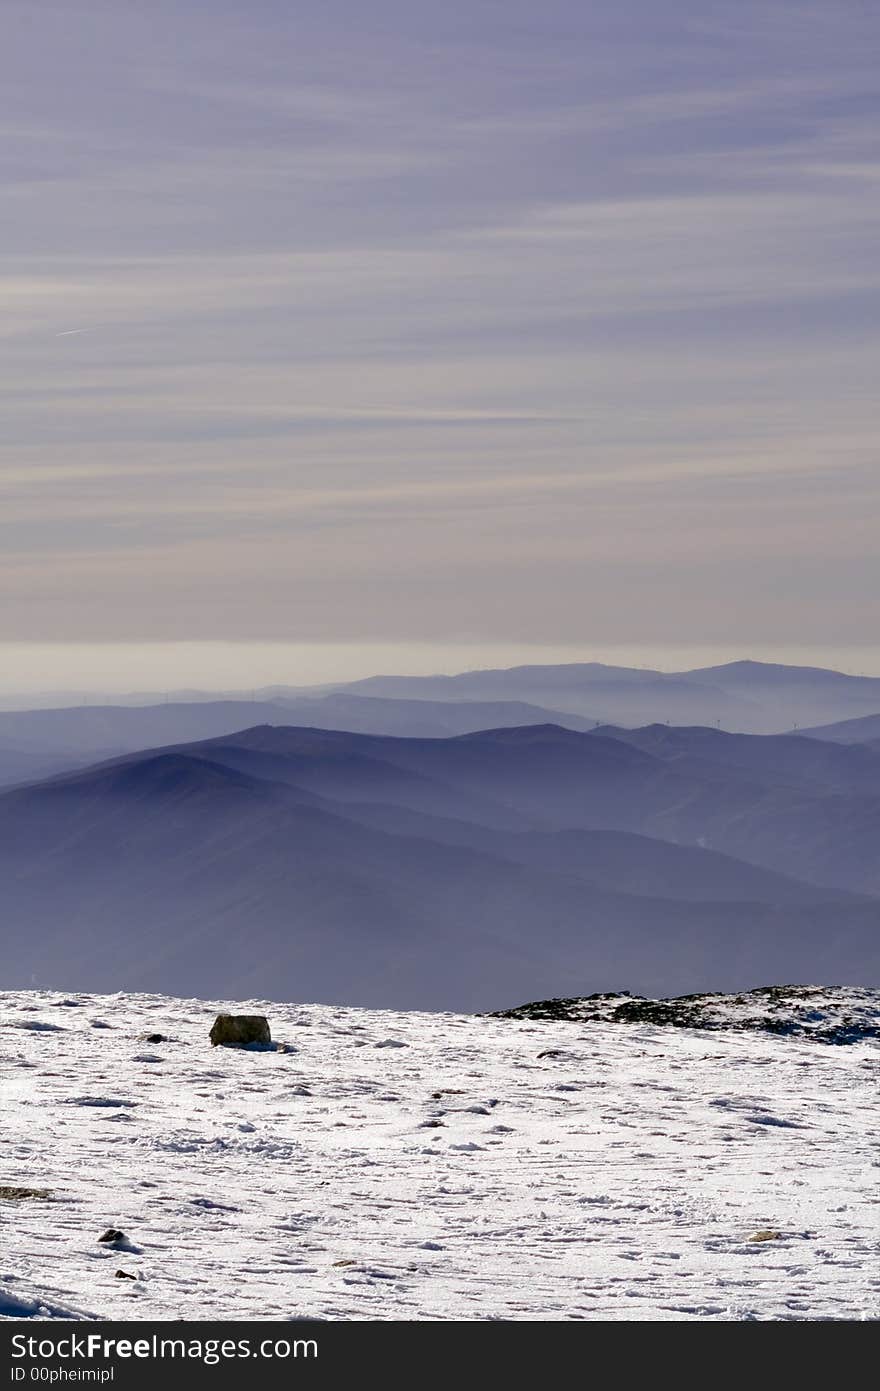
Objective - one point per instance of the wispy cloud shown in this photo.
(407, 320)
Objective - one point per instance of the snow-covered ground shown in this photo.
(400, 1166)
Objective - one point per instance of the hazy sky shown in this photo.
(490, 321)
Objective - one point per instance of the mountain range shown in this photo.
(454, 873)
(746, 696)
(743, 697)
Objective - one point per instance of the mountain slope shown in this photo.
(617, 860)
(54, 738)
(26, 765)
(791, 760)
(421, 719)
(188, 868)
(546, 778)
(864, 730)
(94, 731)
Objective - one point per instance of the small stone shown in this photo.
(239, 1030)
(125, 1275)
(153, 1038)
(766, 1235)
(113, 1236)
(17, 1194)
(344, 1263)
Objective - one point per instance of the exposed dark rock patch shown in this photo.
(239, 1030)
(113, 1237)
(825, 1014)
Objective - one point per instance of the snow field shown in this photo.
(413, 1166)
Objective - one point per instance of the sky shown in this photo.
(433, 331)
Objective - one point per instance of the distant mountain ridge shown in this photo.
(745, 697)
(447, 873)
(43, 741)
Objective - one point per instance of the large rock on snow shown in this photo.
(240, 1029)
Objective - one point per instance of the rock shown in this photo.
(113, 1236)
(125, 1275)
(767, 1235)
(240, 1029)
(337, 1263)
(153, 1038)
(16, 1194)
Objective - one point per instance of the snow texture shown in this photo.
(379, 1165)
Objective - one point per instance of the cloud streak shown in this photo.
(419, 321)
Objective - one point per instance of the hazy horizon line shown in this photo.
(32, 670)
